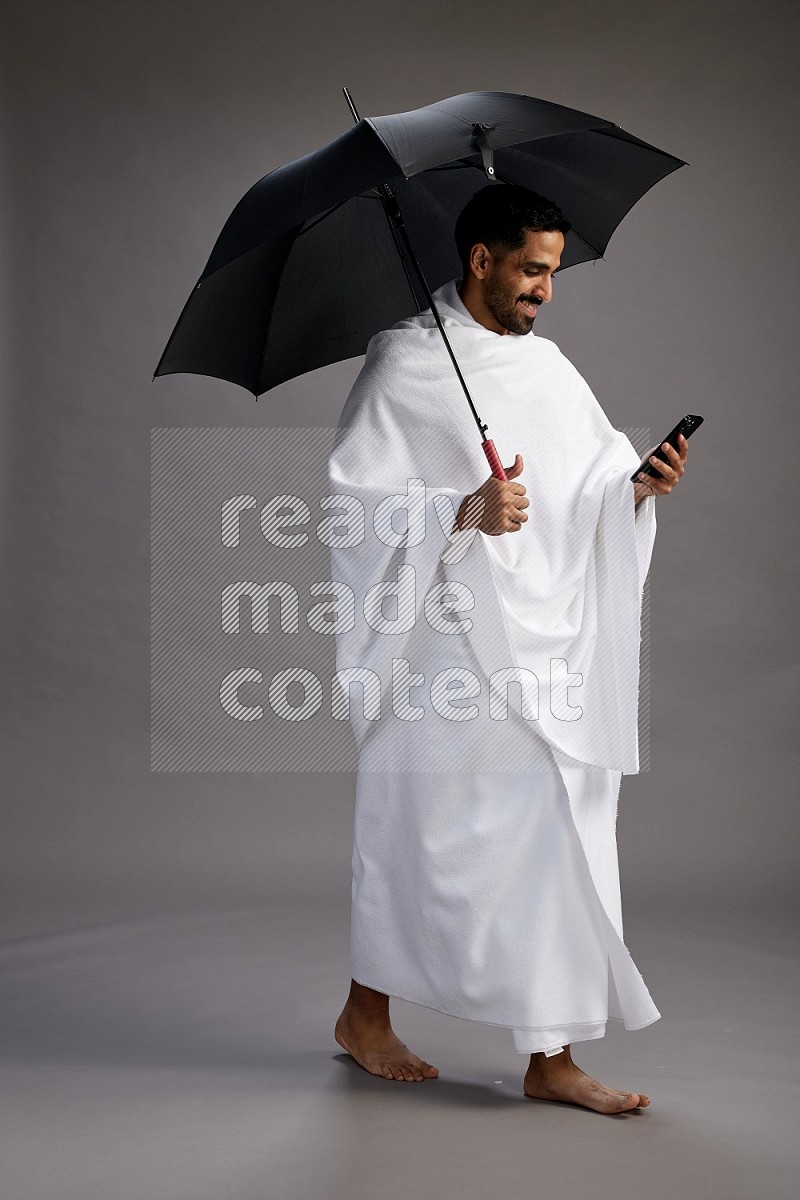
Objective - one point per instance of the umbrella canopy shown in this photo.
(309, 266)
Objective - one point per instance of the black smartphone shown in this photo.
(686, 426)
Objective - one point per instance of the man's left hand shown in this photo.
(670, 472)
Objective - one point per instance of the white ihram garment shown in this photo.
(485, 876)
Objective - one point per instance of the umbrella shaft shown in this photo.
(395, 216)
(398, 227)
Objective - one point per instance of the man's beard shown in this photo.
(504, 308)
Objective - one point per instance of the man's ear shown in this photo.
(480, 260)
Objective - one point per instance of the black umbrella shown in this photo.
(325, 251)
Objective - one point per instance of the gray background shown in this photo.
(130, 133)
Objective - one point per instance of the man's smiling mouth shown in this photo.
(530, 306)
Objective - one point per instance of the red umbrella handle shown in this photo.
(490, 450)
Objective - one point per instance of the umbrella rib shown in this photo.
(505, 179)
(623, 136)
(586, 242)
(268, 323)
(298, 235)
(464, 162)
(329, 211)
(578, 235)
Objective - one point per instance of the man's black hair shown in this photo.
(499, 214)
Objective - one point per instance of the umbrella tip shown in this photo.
(351, 105)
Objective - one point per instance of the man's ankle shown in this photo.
(367, 1003)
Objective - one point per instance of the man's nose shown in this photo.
(545, 291)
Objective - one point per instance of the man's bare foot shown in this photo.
(365, 1032)
(558, 1078)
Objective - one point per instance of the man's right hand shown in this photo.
(498, 506)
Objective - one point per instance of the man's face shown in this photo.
(515, 286)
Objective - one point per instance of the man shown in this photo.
(485, 878)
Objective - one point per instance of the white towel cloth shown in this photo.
(485, 882)
(561, 597)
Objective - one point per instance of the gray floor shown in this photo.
(192, 1056)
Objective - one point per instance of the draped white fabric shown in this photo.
(561, 597)
(485, 881)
